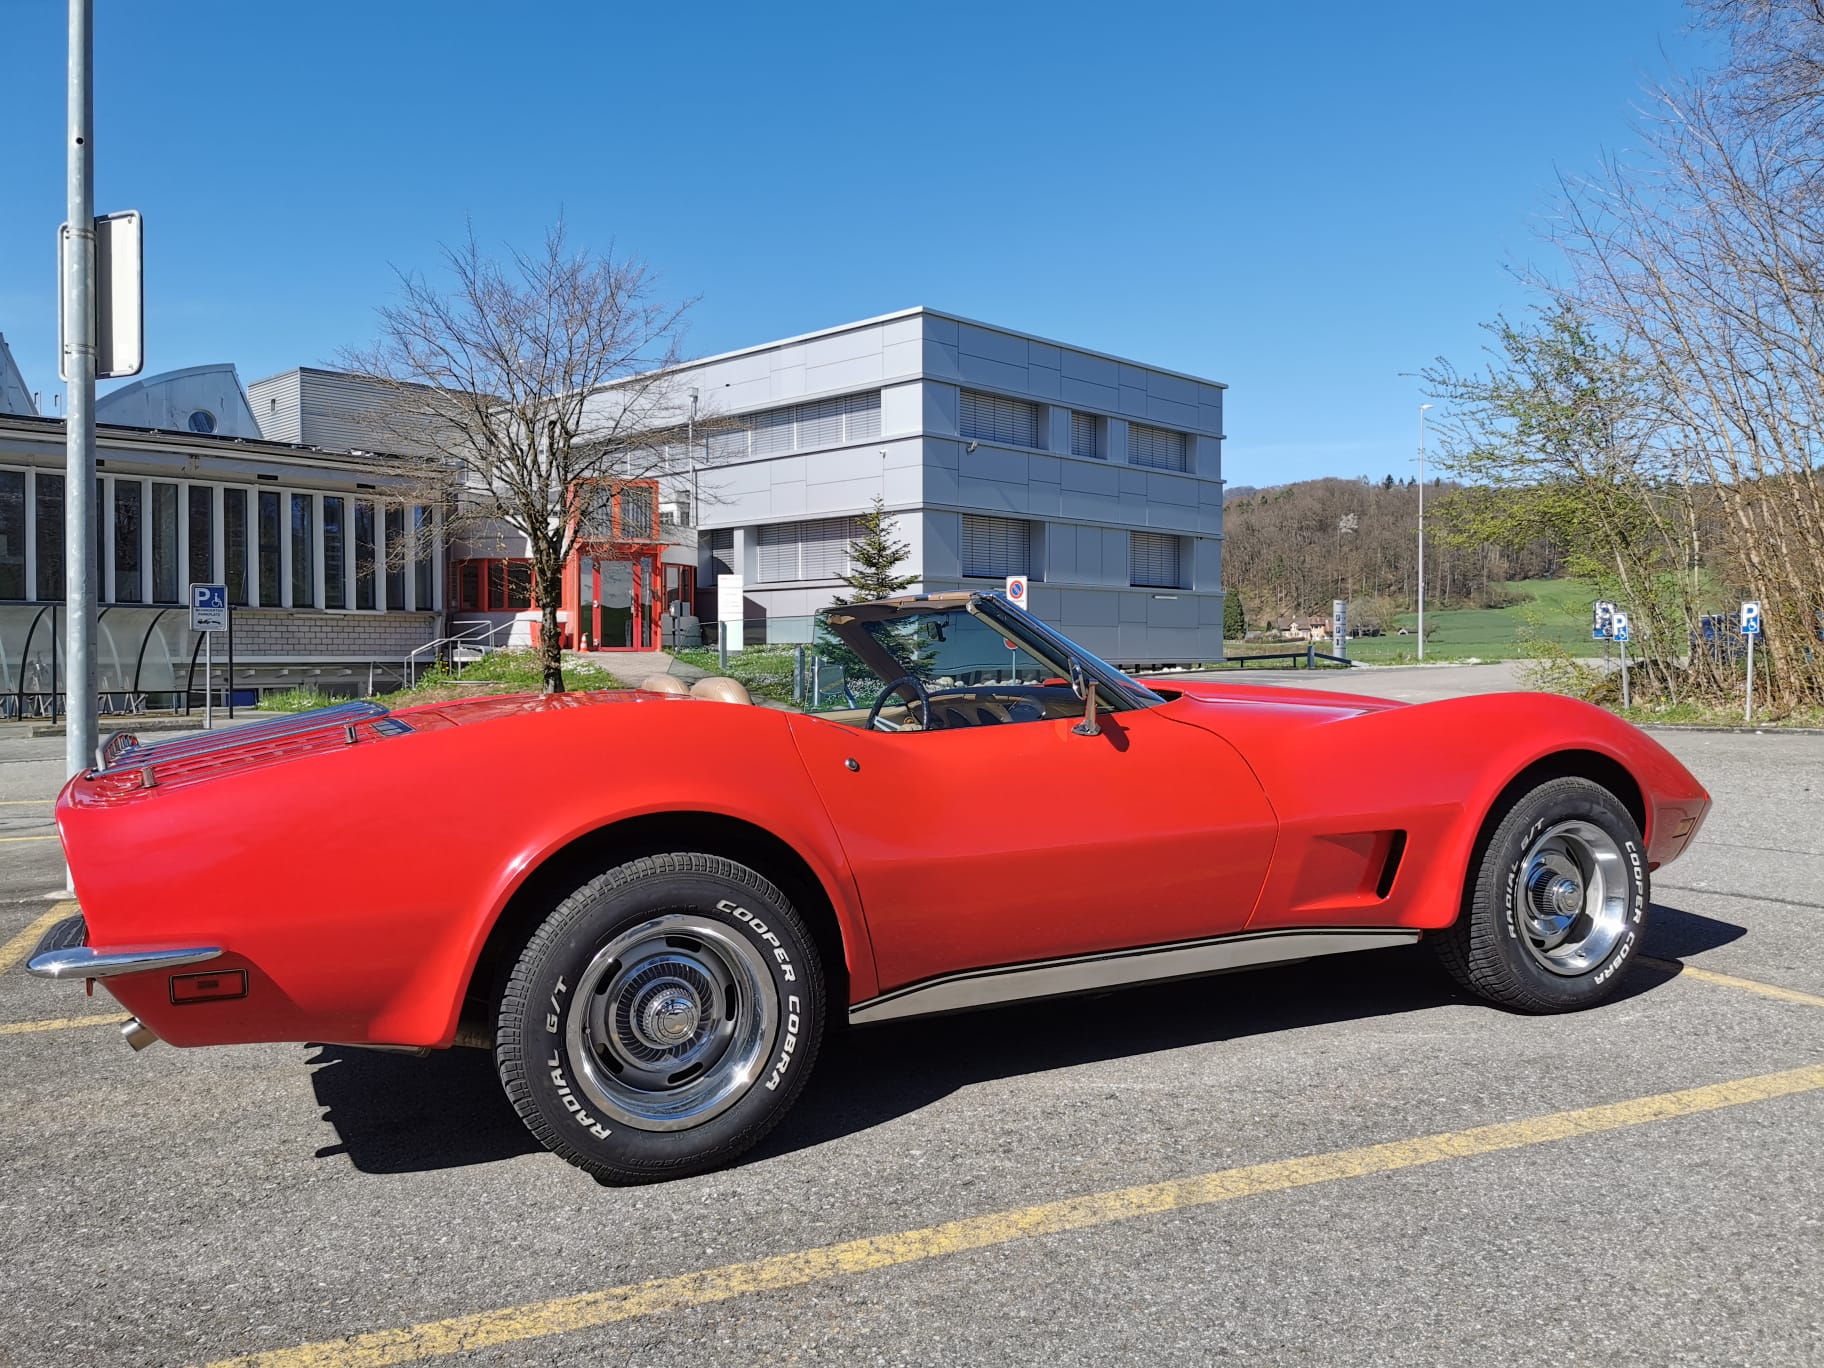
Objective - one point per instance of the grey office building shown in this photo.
(1000, 454)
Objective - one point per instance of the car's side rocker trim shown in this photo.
(1113, 968)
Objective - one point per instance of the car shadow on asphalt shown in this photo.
(401, 1114)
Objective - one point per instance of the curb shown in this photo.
(1727, 731)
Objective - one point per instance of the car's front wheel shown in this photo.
(662, 1019)
(1556, 903)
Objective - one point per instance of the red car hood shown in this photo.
(1307, 706)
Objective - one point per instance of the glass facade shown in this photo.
(155, 537)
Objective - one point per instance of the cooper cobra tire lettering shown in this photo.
(741, 914)
(789, 1044)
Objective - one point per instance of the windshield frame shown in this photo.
(1115, 688)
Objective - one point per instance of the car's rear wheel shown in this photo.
(662, 1019)
(1556, 902)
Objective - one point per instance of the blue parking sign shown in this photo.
(208, 607)
(1619, 626)
(1751, 617)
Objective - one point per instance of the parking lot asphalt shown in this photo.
(1243, 1167)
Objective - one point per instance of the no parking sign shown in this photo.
(1016, 590)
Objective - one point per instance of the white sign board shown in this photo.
(1016, 591)
(1339, 625)
(208, 607)
(1751, 617)
(731, 606)
(120, 302)
(1602, 620)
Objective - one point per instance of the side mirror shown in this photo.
(1087, 727)
(1076, 678)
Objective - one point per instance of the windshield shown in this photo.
(858, 654)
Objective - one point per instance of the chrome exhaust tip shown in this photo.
(137, 1034)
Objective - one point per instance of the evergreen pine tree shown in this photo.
(1234, 617)
(875, 557)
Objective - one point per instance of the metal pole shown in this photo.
(79, 417)
(230, 662)
(1748, 703)
(208, 680)
(1422, 408)
(1626, 700)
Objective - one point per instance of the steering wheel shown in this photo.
(878, 723)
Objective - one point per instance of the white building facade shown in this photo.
(998, 453)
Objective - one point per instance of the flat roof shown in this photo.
(916, 311)
(200, 444)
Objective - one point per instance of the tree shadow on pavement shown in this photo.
(398, 1113)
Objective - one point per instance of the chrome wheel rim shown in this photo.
(1571, 902)
(670, 1022)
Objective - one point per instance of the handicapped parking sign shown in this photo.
(1618, 624)
(1751, 617)
(208, 607)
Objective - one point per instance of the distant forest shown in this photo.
(1291, 549)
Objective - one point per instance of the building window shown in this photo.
(364, 555)
(47, 494)
(721, 552)
(303, 552)
(395, 557)
(818, 549)
(990, 418)
(841, 421)
(335, 553)
(234, 546)
(201, 553)
(269, 562)
(12, 534)
(1086, 435)
(1155, 560)
(164, 543)
(994, 548)
(129, 500)
(423, 543)
(636, 512)
(494, 586)
(1160, 448)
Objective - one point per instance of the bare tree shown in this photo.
(526, 394)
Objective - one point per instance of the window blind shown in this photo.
(1154, 560)
(1158, 447)
(996, 547)
(1085, 434)
(991, 418)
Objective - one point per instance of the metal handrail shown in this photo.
(476, 631)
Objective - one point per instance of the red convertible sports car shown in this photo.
(671, 895)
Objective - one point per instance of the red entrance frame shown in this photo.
(633, 523)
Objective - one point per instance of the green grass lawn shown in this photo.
(1555, 611)
(503, 672)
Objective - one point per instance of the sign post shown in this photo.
(208, 615)
(1339, 626)
(1018, 597)
(731, 605)
(1618, 626)
(1751, 628)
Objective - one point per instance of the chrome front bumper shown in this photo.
(62, 954)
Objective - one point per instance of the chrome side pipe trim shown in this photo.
(1118, 968)
(137, 1034)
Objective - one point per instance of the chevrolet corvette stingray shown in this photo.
(652, 904)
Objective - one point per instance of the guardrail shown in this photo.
(476, 635)
(1307, 657)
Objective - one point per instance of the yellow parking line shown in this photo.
(61, 1024)
(1771, 990)
(26, 802)
(9, 840)
(27, 940)
(465, 1334)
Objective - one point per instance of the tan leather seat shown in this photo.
(663, 683)
(720, 689)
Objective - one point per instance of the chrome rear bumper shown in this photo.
(63, 955)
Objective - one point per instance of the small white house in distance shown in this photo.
(999, 453)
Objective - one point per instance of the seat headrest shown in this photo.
(663, 683)
(720, 689)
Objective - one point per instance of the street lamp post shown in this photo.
(1422, 408)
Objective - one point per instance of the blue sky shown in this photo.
(1308, 201)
